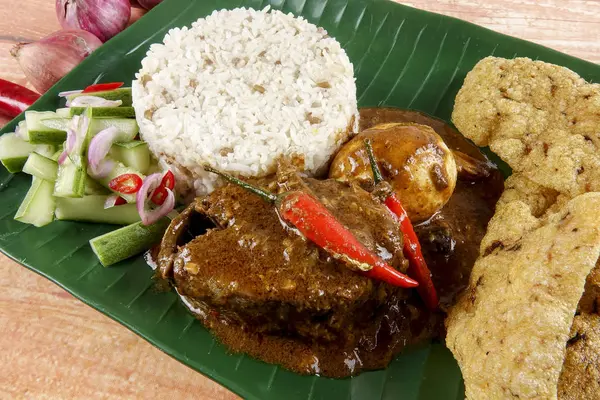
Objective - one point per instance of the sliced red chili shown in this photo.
(100, 87)
(126, 183)
(120, 201)
(412, 248)
(160, 193)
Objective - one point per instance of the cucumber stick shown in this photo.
(41, 167)
(63, 112)
(23, 130)
(72, 173)
(70, 180)
(123, 94)
(134, 154)
(91, 209)
(128, 128)
(38, 205)
(128, 241)
(120, 169)
(105, 112)
(93, 187)
(14, 151)
(40, 133)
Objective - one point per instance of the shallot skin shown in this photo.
(46, 61)
(103, 18)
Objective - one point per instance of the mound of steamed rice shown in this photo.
(241, 88)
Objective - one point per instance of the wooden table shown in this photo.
(54, 347)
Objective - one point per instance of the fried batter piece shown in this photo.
(510, 326)
(540, 118)
(580, 378)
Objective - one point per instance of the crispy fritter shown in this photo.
(580, 378)
(540, 118)
(590, 301)
(540, 199)
(509, 328)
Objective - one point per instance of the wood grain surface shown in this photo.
(54, 347)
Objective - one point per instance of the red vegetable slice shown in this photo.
(126, 183)
(14, 99)
(100, 87)
(160, 193)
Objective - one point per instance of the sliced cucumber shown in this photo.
(63, 112)
(94, 188)
(128, 128)
(77, 155)
(14, 151)
(134, 154)
(91, 209)
(70, 180)
(40, 133)
(123, 94)
(128, 241)
(154, 167)
(106, 112)
(24, 133)
(38, 205)
(57, 154)
(120, 169)
(41, 167)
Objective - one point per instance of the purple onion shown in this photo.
(103, 18)
(150, 184)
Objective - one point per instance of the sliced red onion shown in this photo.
(62, 157)
(92, 101)
(142, 198)
(99, 148)
(71, 140)
(113, 200)
(69, 92)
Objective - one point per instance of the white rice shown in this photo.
(239, 89)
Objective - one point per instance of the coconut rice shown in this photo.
(241, 88)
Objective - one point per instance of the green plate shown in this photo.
(402, 56)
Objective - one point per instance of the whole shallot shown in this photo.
(46, 61)
(103, 18)
(148, 4)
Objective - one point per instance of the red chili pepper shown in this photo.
(120, 201)
(100, 87)
(412, 248)
(126, 183)
(317, 224)
(160, 193)
(14, 99)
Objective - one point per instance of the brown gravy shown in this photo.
(450, 242)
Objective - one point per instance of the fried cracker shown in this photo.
(540, 118)
(580, 377)
(509, 328)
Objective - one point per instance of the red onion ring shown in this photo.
(99, 148)
(92, 101)
(62, 157)
(71, 140)
(151, 216)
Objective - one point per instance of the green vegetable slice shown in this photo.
(91, 209)
(38, 205)
(128, 241)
